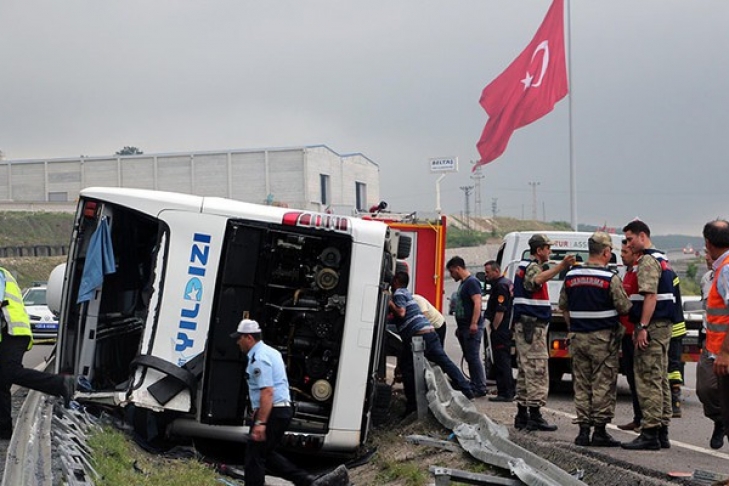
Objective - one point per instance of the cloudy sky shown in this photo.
(398, 81)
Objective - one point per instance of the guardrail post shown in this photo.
(419, 370)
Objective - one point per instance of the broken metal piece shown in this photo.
(443, 476)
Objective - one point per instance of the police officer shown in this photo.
(592, 297)
(716, 238)
(15, 340)
(532, 313)
(498, 316)
(653, 313)
(268, 390)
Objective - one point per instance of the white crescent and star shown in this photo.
(529, 78)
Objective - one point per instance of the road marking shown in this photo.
(691, 447)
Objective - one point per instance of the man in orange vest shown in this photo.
(716, 239)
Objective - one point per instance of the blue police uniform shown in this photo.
(266, 369)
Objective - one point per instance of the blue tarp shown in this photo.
(99, 262)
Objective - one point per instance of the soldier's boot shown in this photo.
(601, 438)
(522, 417)
(676, 400)
(663, 437)
(537, 422)
(646, 441)
(583, 438)
(717, 436)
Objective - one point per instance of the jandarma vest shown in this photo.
(717, 314)
(665, 299)
(591, 305)
(13, 313)
(535, 304)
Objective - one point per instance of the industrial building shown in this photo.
(310, 177)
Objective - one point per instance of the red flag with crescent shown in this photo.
(528, 89)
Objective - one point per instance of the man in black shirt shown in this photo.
(498, 315)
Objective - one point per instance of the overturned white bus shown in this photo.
(154, 334)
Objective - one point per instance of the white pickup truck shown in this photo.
(515, 248)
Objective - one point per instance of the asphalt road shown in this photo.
(689, 434)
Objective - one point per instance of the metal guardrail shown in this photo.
(33, 251)
(29, 452)
(486, 440)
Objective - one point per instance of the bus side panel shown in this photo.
(180, 330)
(357, 340)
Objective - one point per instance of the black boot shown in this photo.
(583, 438)
(663, 437)
(522, 417)
(676, 400)
(537, 422)
(601, 438)
(646, 441)
(717, 436)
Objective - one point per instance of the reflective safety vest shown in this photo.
(717, 314)
(679, 324)
(535, 304)
(13, 310)
(590, 303)
(665, 298)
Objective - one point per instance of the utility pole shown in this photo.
(467, 207)
(477, 176)
(494, 212)
(534, 199)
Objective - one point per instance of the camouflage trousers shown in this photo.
(595, 374)
(651, 379)
(532, 381)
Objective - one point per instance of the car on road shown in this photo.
(43, 322)
(693, 314)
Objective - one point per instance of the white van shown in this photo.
(515, 248)
(155, 335)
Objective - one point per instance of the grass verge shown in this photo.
(119, 461)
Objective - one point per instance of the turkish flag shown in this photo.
(528, 89)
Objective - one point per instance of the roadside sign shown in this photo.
(444, 164)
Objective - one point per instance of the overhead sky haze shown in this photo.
(397, 81)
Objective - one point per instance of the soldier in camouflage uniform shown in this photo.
(592, 297)
(532, 313)
(652, 312)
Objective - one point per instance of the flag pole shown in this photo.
(573, 165)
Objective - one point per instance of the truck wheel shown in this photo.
(404, 245)
(381, 404)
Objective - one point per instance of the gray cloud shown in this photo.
(397, 81)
